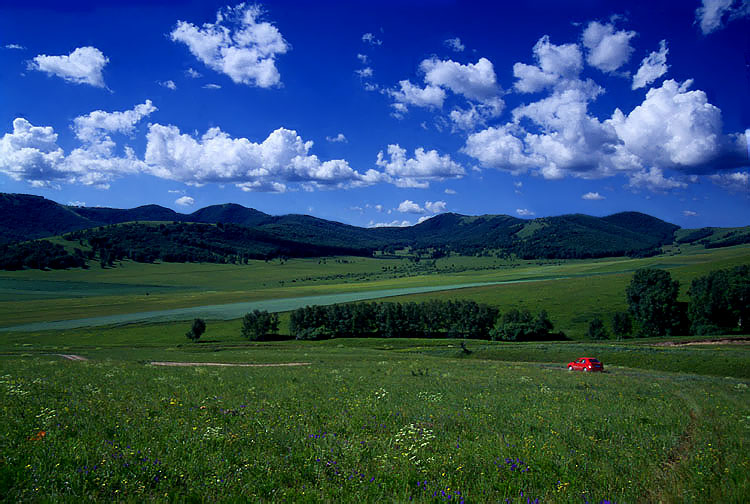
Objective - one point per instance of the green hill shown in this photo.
(231, 232)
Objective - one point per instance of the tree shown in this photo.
(719, 301)
(197, 330)
(652, 301)
(597, 331)
(257, 324)
(622, 324)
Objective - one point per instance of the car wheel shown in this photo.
(585, 370)
(570, 368)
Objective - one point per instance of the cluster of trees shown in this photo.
(40, 254)
(719, 304)
(435, 318)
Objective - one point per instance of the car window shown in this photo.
(594, 361)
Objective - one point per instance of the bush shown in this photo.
(197, 330)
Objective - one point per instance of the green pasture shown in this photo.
(572, 291)
(366, 420)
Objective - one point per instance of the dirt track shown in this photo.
(229, 364)
(720, 341)
(72, 357)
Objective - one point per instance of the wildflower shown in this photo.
(38, 436)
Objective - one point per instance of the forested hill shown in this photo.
(250, 233)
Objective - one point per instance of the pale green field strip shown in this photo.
(236, 310)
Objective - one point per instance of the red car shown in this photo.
(585, 364)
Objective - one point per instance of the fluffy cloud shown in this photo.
(169, 84)
(409, 94)
(419, 171)
(738, 182)
(524, 212)
(554, 64)
(455, 44)
(711, 14)
(271, 165)
(434, 207)
(652, 67)
(185, 201)
(90, 127)
(593, 196)
(340, 138)
(31, 153)
(689, 213)
(193, 73)
(475, 81)
(408, 206)
(211, 86)
(238, 44)
(394, 223)
(673, 129)
(607, 49)
(654, 180)
(83, 66)
(14, 46)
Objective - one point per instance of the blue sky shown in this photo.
(375, 113)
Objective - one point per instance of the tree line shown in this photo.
(430, 319)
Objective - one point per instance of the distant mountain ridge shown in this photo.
(27, 217)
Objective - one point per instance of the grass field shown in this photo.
(368, 420)
(575, 292)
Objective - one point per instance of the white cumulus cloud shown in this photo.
(689, 213)
(556, 136)
(408, 206)
(31, 153)
(713, 14)
(738, 182)
(592, 196)
(340, 138)
(607, 49)
(270, 166)
(435, 206)
(14, 46)
(475, 81)
(394, 223)
(554, 64)
(420, 170)
(185, 201)
(652, 67)
(90, 127)
(169, 84)
(524, 212)
(409, 94)
(82, 66)
(237, 44)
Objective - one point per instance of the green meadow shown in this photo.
(572, 291)
(371, 420)
(394, 421)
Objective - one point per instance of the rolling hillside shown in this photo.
(231, 232)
